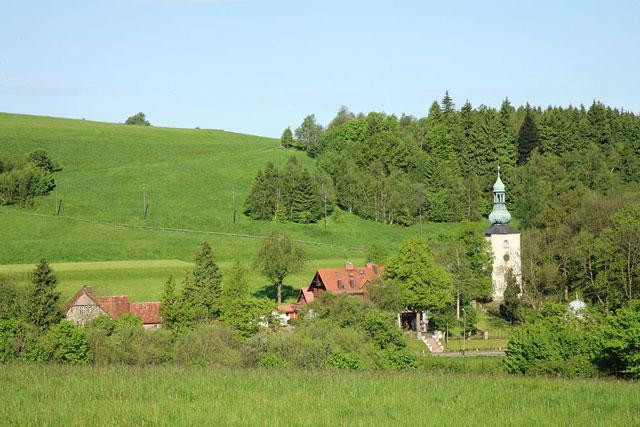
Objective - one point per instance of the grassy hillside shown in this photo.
(190, 177)
(198, 396)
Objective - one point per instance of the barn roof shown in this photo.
(117, 305)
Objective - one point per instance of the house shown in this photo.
(349, 279)
(85, 306)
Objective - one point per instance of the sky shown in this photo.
(257, 67)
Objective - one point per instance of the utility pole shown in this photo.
(324, 194)
(233, 195)
(144, 202)
(458, 287)
(464, 332)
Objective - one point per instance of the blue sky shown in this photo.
(259, 66)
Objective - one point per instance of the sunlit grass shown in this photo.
(58, 395)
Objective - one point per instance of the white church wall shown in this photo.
(506, 251)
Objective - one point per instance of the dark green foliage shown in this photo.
(66, 343)
(441, 167)
(278, 257)
(138, 119)
(528, 136)
(245, 314)
(510, 308)
(621, 344)
(41, 159)
(9, 300)
(209, 345)
(555, 342)
(342, 360)
(203, 289)
(427, 286)
(21, 181)
(43, 300)
(292, 194)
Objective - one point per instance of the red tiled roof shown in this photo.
(116, 306)
(149, 312)
(352, 279)
(305, 295)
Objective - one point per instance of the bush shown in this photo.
(554, 343)
(339, 359)
(209, 345)
(138, 120)
(41, 159)
(66, 343)
(621, 346)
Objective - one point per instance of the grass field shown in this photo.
(189, 177)
(205, 396)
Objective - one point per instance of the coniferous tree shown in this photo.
(286, 141)
(528, 136)
(43, 299)
(510, 307)
(305, 201)
(203, 289)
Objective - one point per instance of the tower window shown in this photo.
(505, 244)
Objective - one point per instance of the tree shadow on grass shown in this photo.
(271, 292)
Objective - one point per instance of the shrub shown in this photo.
(66, 343)
(208, 345)
(554, 343)
(41, 159)
(137, 119)
(339, 359)
(621, 344)
(400, 360)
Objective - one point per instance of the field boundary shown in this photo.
(182, 230)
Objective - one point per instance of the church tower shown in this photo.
(504, 241)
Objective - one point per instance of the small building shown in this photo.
(348, 279)
(504, 240)
(85, 306)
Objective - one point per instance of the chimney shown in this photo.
(370, 265)
(349, 265)
(88, 289)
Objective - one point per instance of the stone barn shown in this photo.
(85, 306)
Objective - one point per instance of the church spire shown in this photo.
(499, 214)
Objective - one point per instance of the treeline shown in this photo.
(441, 167)
(290, 194)
(213, 320)
(24, 179)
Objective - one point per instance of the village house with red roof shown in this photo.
(348, 279)
(85, 306)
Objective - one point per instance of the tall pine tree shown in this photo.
(204, 288)
(528, 136)
(43, 309)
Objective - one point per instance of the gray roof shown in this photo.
(500, 229)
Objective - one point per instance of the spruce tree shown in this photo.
(510, 307)
(203, 290)
(305, 201)
(528, 136)
(286, 141)
(43, 299)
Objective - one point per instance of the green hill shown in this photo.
(190, 177)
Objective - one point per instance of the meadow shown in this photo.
(174, 395)
(190, 179)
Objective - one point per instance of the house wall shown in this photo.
(84, 310)
(504, 245)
